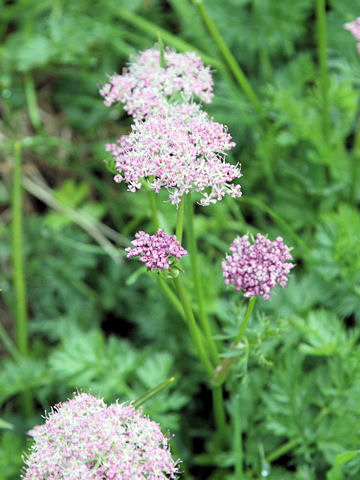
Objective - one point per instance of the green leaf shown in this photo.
(71, 194)
(345, 457)
(5, 425)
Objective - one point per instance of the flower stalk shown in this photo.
(197, 279)
(17, 250)
(222, 370)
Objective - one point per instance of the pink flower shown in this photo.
(354, 28)
(155, 250)
(84, 439)
(180, 149)
(146, 87)
(257, 268)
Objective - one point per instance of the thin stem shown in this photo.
(222, 370)
(245, 322)
(170, 295)
(228, 57)
(33, 109)
(282, 450)
(197, 278)
(356, 165)
(180, 219)
(151, 393)
(153, 209)
(194, 329)
(21, 316)
(238, 448)
(219, 410)
(322, 57)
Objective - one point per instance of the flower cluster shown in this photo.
(84, 439)
(354, 28)
(173, 143)
(257, 268)
(182, 150)
(146, 86)
(154, 250)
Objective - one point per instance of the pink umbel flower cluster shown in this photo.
(84, 439)
(155, 250)
(145, 86)
(354, 28)
(180, 150)
(173, 143)
(257, 268)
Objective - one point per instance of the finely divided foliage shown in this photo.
(84, 439)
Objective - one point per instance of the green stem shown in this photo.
(194, 329)
(153, 209)
(151, 393)
(228, 57)
(356, 165)
(30, 94)
(245, 322)
(197, 278)
(280, 451)
(219, 410)
(180, 219)
(322, 57)
(21, 330)
(222, 370)
(21, 316)
(170, 295)
(238, 448)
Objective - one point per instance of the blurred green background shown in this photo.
(98, 323)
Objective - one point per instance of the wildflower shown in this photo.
(354, 28)
(155, 250)
(146, 86)
(257, 268)
(180, 149)
(84, 439)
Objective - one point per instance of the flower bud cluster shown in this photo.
(84, 439)
(155, 250)
(257, 268)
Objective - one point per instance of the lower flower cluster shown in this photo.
(84, 439)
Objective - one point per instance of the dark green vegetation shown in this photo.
(98, 323)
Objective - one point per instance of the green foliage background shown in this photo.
(98, 323)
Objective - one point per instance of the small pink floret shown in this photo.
(155, 250)
(84, 439)
(257, 268)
